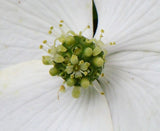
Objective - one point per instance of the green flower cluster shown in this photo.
(78, 60)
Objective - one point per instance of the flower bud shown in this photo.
(85, 83)
(97, 50)
(76, 92)
(88, 52)
(53, 71)
(69, 69)
(98, 61)
(61, 48)
(74, 59)
(69, 40)
(70, 82)
(58, 58)
(47, 60)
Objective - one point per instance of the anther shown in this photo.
(45, 41)
(110, 43)
(61, 21)
(101, 35)
(41, 46)
(81, 62)
(98, 90)
(49, 32)
(102, 31)
(88, 27)
(113, 43)
(51, 28)
(60, 25)
(85, 73)
(49, 51)
(72, 76)
(61, 89)
(102, 93)
(102, 75)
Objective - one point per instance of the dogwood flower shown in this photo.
(28, 94)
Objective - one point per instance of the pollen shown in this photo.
(79, 61)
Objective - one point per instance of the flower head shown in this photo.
(76, 59)
(130, 99)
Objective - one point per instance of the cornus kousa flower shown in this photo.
(110, 79)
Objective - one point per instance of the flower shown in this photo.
(76, 59)
(28, 95)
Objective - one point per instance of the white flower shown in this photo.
(28, 94)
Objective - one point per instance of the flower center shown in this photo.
(76, 59)
(76, 67)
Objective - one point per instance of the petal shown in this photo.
(133, 25)
(25, 23)
(28, 102)
(133, 90)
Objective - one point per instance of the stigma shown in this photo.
(76, 59)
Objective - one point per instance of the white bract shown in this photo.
(131, 85)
